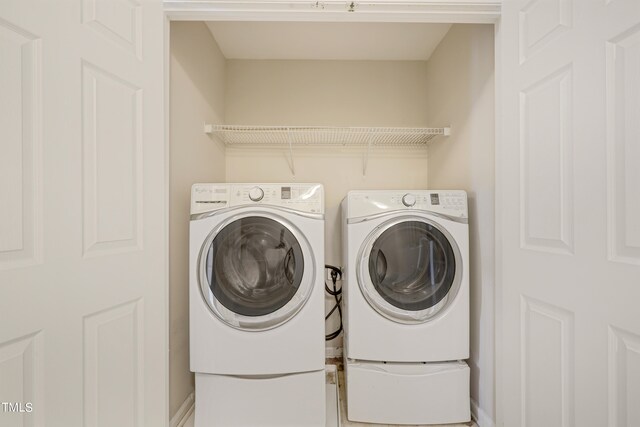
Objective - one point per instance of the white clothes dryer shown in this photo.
(257, 304)
(406, 290)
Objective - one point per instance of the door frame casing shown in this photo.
(447, 12)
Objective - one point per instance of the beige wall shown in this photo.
(460, 84)
(337, 93)
(326, 93)
(197, 95)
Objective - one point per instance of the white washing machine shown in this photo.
(406, 290)
(257, 305)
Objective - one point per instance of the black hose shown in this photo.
(335, 272)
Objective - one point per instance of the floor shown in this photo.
(347, 423)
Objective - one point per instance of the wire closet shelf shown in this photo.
(256, 136)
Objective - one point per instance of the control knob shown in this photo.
(408, 200)
(256, 194)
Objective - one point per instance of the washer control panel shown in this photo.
(451, 203)
(300, 197)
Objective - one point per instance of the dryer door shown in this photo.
(252, 271)
(410, 269)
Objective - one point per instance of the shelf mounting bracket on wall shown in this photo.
(365, 161)
(292, 165)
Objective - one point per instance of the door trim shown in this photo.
(450, 12)
(185, 412)
(447, 11)
(498, 219)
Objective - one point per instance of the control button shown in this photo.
(408, 200)
(256, 194)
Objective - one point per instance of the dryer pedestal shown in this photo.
(407, 393)
(296, 400)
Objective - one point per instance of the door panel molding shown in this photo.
(21, 148)
(546, 163)
(112, 162)
(536, 27)
(547, 342)
(21, 370)
(121, 23)
(623, 151)
(624, 379)
(113, 341)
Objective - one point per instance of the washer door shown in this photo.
(410, 269)
(252, 271)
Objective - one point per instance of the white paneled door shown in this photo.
(569, 171)
(82, 214)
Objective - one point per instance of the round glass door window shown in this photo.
(412, 270)
(253, 268)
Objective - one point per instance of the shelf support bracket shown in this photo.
(366, 156)
(292, 165)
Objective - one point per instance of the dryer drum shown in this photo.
(254, 266)
(412, 265)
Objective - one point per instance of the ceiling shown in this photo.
(327, 40)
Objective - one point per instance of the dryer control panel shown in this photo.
(364, 203)
(299, 197)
